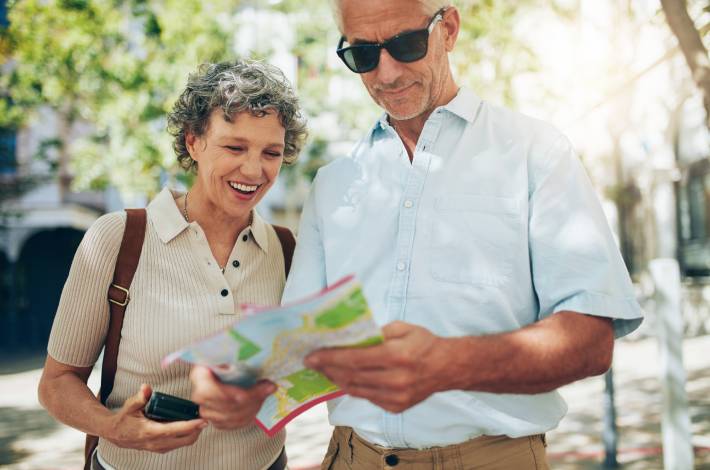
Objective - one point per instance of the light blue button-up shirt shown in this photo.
(494, 225)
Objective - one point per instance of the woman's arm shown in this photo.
(65, 395)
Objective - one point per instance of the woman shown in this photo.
(205, 253)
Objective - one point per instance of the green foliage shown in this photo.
(115, 65)
(119, 65)
(488, 54)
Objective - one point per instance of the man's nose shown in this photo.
(388, 70)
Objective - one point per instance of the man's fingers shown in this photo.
(396, 329)
(393, 402)
(394, 380)
(371, 357)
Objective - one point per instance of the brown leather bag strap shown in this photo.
(288, 244)
(118, 293)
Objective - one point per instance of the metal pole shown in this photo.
(610, 436)
(675, 422)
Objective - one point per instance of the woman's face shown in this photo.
(238, 161)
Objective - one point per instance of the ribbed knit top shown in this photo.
(179, 294)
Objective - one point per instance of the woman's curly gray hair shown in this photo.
(243, 85)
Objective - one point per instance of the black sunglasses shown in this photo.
(404, 47)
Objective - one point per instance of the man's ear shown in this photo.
(451, 24)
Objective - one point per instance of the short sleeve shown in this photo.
(81, 321)
(307, 274)
(576, 264)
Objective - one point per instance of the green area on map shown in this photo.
(247, 348)
(344, 312)
(308, 384)
(375, 340)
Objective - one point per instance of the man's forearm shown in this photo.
(539, 358)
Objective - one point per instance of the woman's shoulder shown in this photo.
(106, 232)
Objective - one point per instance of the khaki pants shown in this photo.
(349, 451)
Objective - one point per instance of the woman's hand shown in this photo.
(130, 429)
(227, 406)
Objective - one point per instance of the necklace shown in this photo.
(184, 208)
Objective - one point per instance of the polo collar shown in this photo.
(258, 231)
(169, 221)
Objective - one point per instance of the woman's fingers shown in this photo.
(139, 400)
(166, 444)
(176, 428)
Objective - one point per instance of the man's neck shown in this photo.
(409, 130)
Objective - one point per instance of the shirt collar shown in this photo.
(165, 215)
(464, 105)
(258, 231)
(169, 221)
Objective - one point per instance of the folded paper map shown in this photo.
(271, 343)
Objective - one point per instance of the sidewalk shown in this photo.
(30, 439)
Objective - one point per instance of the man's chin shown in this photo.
(402, 110)
(399, 114)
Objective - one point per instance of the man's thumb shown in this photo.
(396, 329)
(139, 400)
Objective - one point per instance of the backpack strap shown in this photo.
(288, 244)
(118, 293)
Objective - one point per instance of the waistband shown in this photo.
(484, 449)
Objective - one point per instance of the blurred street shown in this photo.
(30, 439)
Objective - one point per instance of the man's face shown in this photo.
(404, 90)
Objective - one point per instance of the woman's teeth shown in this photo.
(244, 188)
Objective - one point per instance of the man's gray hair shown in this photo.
(429, 7)
(235, 87)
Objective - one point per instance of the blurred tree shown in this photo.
(118, 66)
(487, 58)
(691, 44)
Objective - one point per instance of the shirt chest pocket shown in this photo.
(474, 239)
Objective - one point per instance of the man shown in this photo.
(481, 247)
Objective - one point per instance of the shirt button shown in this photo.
(391, 460)
(245, 238)
(235, 263)
(408, 204)
(401, 266)
(224, 292)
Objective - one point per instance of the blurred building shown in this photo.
(41, 225)
(616, 85)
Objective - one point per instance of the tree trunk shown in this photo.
(64, 177)
(690, 42)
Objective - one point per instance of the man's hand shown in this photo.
(227, 406)
(395, 375)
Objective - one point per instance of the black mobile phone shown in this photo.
(164, 407)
